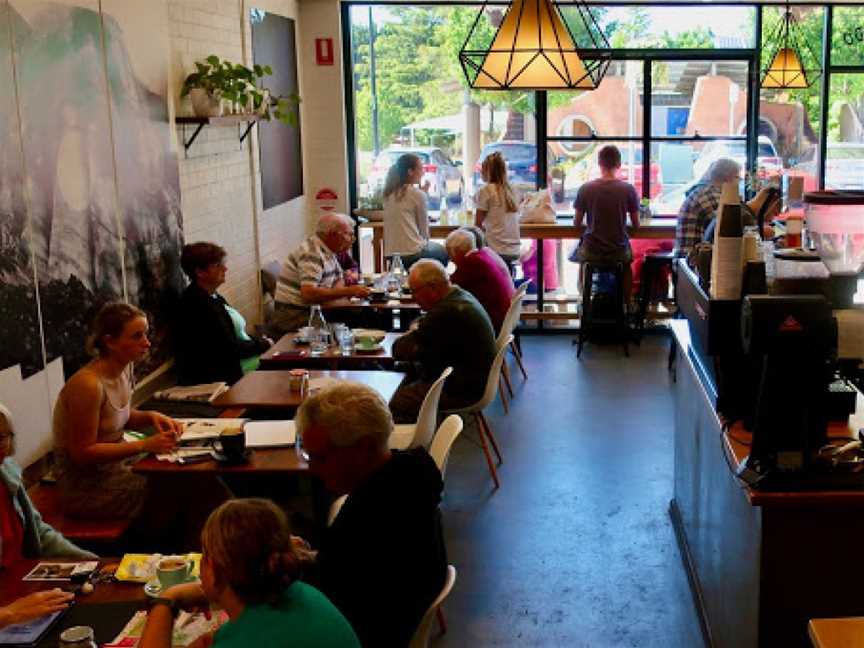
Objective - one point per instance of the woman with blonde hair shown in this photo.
(496, 210)
(406, 221)
(250, 569)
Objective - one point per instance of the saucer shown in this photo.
(369, 349)
(231, 461)
(154, 588)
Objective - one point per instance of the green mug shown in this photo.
(173, 570)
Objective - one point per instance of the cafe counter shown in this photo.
(760, 565)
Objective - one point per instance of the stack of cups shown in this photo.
(727, 259)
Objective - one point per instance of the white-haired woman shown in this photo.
(701, 202)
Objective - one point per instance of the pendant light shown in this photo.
(534, 49)
(793, 64)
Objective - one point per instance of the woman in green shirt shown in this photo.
(250, 570)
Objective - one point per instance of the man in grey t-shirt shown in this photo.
(607, 201)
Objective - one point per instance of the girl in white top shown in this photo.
(406, 222)
(496, 209)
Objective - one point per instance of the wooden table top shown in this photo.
(353, 303)
(286, 354)
(12, 587)
(269, 389)
(656, 228)
(837, 633)
(263, 461)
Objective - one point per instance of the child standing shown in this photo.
(496, 209)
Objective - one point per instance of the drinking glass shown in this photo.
(346, 341)
(319, 341)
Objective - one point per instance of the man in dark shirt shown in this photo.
(607, 201)
(382, 561)
(455, 332)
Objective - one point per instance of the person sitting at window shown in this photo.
(478, 273)
(455, 332)
(23, 533)
(406, 221)
(212, 343)
(702, 200)
(312, 275)
(250, 570)
(606, 202)
(92, 461)
(382, 561)
(496, 209)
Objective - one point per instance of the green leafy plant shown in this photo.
(239, 84)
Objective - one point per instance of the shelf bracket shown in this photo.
(187, 144)
(249, 126)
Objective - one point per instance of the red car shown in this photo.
(632, 171)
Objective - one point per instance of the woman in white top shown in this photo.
(406, 223)
(496, 209)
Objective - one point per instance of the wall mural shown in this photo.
(89, 187)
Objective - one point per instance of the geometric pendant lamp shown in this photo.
(792, 62)
(534, 49)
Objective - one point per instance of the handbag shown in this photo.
(537, 208)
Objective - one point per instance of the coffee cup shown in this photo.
(304, 333)
(173, 570)
(233, 441)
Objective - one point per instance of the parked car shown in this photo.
(521, 159)
(767, 160)
(631, 171)
(844, 167)
(444, 175)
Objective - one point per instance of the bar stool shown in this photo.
(588, 320)
(653, 268)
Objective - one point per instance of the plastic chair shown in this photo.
(424, 631)
(476, 410)
(420, 433)
(443, 441)
(508, 327)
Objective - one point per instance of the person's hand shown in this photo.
(425, 186)
(351, 277)
(163, 424)
(160, 443)
(34, 606)
(187, 595)
(358, 291)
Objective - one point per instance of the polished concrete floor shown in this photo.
(576, 548)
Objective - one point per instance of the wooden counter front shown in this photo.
(761, 565)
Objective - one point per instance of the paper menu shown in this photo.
(203, 429)
(270, 434)
(188, 627)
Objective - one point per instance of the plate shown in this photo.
(154, 588)
(369, 349)
(376, 334)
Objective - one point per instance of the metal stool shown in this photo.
(588, 319)
(653, 268)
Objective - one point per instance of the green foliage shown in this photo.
(239, 84)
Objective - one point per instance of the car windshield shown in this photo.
(625, 156)
(513, 151)
(738, 149)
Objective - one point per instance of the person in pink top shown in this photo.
(550, 266)
(478, 272)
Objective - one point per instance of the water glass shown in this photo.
(346, 341)
(319, 342)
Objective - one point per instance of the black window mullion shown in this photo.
(646, 126)
(826, 91)
(754, 83)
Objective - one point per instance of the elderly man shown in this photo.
(478, 272)
(312, 274)
(382, 561)
(702, 200)
(455, 332)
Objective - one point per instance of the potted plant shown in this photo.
(217, 81)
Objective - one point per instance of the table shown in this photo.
(837, 633)
(283, 355)
(760, 564)
(363, 313)
(269, 389)
(12, 587)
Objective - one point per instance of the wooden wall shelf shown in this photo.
(225, 120)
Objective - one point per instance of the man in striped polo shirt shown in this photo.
(312, 275)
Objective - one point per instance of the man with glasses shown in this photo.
(312, 275)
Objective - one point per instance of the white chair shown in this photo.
(443, 441)
(511, 320)
(335, 507)
(476, 410)
(420, 433)
(424, 630)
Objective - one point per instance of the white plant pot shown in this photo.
(204, 104)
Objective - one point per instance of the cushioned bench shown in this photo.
(46, 499)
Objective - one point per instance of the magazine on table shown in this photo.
(207, 429)
(60, 571)
(199, 393)
(188, 627)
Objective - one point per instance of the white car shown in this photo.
(443, 174)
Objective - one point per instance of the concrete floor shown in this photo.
(576, 548)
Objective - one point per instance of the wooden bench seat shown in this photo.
(46, 499)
